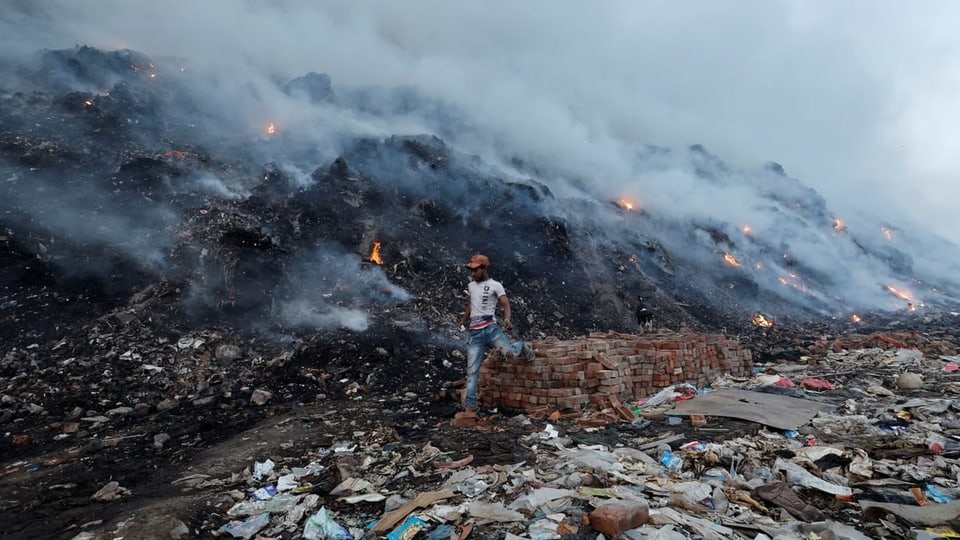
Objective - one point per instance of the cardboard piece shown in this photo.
(781, 412)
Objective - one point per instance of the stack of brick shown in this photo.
(600, 366)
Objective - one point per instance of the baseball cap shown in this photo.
(477, 261)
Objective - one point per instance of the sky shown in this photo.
(856, 99)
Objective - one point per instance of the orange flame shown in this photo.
(762, 321)
(905, 295)
(746, 230)
(855, 318)
(375, 253)
(887, 232)
(628, 204)
(838, 226)
(731, 260)
(271, 129)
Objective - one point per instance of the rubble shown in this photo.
(246, 367)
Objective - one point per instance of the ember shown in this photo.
(855, 318)
(628, 204)
(838, 226)
(375, 253)
(271, 129)
(887, 232)
(731, 260)
(762, 321)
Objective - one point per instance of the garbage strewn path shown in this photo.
(876, 457)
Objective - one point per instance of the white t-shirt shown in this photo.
(483, 302)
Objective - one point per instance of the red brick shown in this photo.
(613, 519)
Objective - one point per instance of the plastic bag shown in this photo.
(322, 526)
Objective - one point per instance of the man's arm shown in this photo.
(505, 304)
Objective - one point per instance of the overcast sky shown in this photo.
(858, 99)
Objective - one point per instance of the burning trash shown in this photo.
(375, 254)
(763, 321)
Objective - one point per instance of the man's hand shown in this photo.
(463, 328)
(506, 325)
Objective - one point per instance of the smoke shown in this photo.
(598, 103)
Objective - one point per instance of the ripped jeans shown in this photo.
(480, 340)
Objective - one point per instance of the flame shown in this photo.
(905, 295)
(375, 253)
(887, 232)
(634, 259)
(838, 226)
(271, 129)
(153, 75)
(855, 318)
(762, 321)
(628, 204)
(88, 103)
(759, 265)
(746, 230)
(731, 260)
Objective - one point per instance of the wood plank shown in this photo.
(781, 412)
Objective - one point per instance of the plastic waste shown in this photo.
(408, 530)
(472, 489)
(797, 475)
(695, 496)
(246, 528)
(264, 493)
(671, 462)
(262, 469)
(936, 495)
(280, 503)
(322, 525)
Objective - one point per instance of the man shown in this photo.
(480, 317)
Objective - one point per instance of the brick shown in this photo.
(613, 519)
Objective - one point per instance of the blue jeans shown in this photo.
(481, 340)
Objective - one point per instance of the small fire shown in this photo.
(634, 259)
(271, 129)
(855, 318)
(759, 265)
(838, 226)
(905, 295)
(762, 321)
(153, 75)
(375, 253)
(88, 103)
(731, 260)
(887, 232)
(628, 204)
(746, 230)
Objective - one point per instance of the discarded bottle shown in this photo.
(671, 462)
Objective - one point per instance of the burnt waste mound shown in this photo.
(142, 223)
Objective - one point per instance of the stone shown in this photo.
(614, 518)
(909, 381)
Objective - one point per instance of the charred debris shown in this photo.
(168, 278)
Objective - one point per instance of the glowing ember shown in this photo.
(271, 129)
(887, 232)
(731, 260)
(628, 204)
(375, 253)
(759, 265)
(905, 295)
(855, 318)
(88, 103)
(634, 259)
(762, 321)
(746, 229)
(838, 225)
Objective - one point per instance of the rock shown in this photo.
(167, 405)
(228, 352)
(260, 396)
(159, 440)
(120, 411)
(909, 381)
(614, 518)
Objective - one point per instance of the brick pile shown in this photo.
(607, 367)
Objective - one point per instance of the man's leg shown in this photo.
(475, 350)
(502, 342)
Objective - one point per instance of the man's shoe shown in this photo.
(528, 352)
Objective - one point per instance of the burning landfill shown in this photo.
(213, 328)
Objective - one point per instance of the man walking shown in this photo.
(485, 333)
